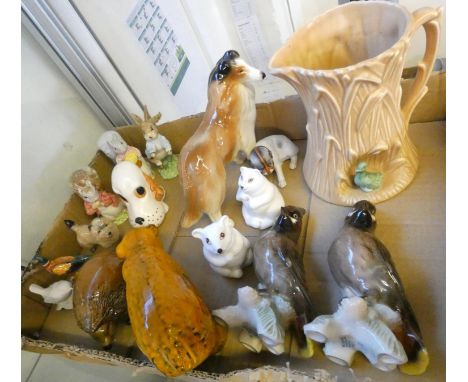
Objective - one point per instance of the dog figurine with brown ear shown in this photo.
(101, 231)
(226, 133)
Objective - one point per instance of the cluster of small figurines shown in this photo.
(172, 325)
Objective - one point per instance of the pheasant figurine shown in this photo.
(362, 267)
(62, 265)
(172, 325)
(367, 181)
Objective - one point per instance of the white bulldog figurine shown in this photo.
(224, 247)
(141, 194)
(114, 146)
(357, 327)
(261, 199)
(269, 154)
(263, 320)
(59, 293)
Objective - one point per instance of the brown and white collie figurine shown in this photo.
(226, 133)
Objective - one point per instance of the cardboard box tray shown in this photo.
(412, 225)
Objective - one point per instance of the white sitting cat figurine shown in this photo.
(261, 199)
(224, 247)
(269, 154)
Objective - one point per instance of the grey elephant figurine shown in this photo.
(280, 270)
(362, 267)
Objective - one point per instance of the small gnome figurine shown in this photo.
(86, 183)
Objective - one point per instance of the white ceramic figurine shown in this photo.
(59, 293)
(261, 199)
(115, 147)
(265, 317)
(224, 247)
(141, 194)
(269, 154)
(357, 327)
(100, 231)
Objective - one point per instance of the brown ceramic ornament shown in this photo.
(172, 325)
(99, 296)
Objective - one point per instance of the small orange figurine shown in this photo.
(172, 325)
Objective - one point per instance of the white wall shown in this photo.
(59, 132)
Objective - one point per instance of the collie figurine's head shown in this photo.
(231, 66)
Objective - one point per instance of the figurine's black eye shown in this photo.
(140, 192)
(221, 235)
(250, 180)
(207, 241)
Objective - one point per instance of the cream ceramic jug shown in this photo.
(346, 66)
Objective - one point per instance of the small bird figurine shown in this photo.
(62, 265)
(59, 293)
(361, 265)
(367, 181)
(280, 270)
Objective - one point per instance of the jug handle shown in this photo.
(429, 19)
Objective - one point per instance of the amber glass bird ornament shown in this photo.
(172, 325)
(99, 296)
(362, 266)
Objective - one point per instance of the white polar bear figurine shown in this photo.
(269, 154)
(261, 199)
(142, 196)
(224, 247)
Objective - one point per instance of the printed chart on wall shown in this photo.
(160, 42)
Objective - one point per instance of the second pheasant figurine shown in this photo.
(172, 325)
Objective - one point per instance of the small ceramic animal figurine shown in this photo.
(258, 314)
(87, 184)
(280, 270)
(99, 296)
(362, 267)
(367, 181)
(63, 265)
(60, 293)
(270, 153)
(114, 146)
(142, 196)
(172, 325)
(261, 199)
(224, 247)
(225, 134)
(101, 231)
(157, 145)
(356, 327)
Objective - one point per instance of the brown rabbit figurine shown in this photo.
(226, 133)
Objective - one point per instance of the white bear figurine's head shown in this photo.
(251, 180)
(217, 236)
(139, 195)
(112, 144)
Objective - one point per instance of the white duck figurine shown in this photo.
(59, 293)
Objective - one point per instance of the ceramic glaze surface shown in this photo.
(356, 327)
(172, 325)
(270, 153)
(362, 267)
(59, 293)
(101, 231)
(279, 266)
(115, 147)
(346, 65)
(99, 296)
(141, 194)
(260, 315)
(225, 134)
(261, 199)
(224, 247)
(87, 184)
